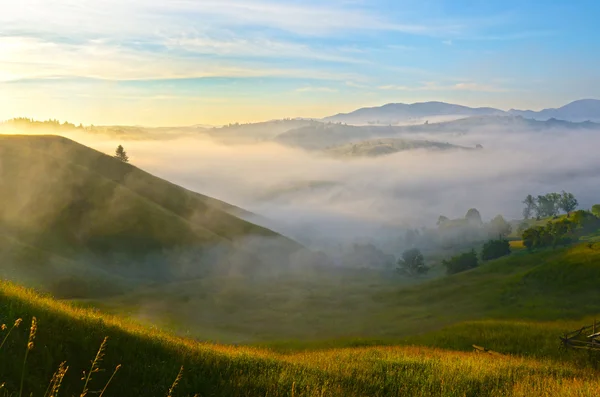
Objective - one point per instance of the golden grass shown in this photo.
(365, 371)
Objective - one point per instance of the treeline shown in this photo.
(412, 262)
(564, 231)
(24, 122)
(549, 205)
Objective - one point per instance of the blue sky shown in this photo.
(217, 61)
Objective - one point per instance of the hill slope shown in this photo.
(385, 146)
(315, 304)
(150, 360)
(74, 204)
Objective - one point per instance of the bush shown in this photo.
(461, 263)
(596, 210)
(495, 249)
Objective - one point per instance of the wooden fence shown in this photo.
(580, 339)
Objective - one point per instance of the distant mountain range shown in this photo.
(419, 113)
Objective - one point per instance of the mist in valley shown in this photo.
(354, 215)
(326, 203)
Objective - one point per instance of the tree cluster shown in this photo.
(494, 249)
(461, 262)
(549, 205)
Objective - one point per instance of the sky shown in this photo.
(186, 62)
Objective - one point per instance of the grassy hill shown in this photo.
(66, 204)
(313, 305)
(150, 360)
(385, 146)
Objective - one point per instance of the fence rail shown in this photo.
(584, 338)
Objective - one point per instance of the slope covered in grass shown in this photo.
(150, 360)
(315, 305)
(70, 203)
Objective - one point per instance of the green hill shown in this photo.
(150, 360)
(65, 204)
(313, 305)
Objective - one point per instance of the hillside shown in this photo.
(319, 136)
(63, 203)
(542, 286)
(386, 146)
(522, 286)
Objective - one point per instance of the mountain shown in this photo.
(419, 113)
(581, 110)
(385, 146)
(399, 113)
(75, 221)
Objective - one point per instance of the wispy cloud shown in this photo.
(392, 87)
(28, 58)
(316, 89)
(434, 86)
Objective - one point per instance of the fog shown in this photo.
(325, 203)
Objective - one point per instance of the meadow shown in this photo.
(310, 330)
(150, 361)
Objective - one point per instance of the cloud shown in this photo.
(434, 86)
(477, 87)
(392, 87)
(29, 58)
(316, 89)
(447, 42)
(255, 48)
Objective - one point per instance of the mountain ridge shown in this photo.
(397, 113)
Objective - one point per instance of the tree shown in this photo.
(567, 202)
(461, 263)
(412, 263)
(586, 221)
(596, 210)
(554, 198)
(500, 227)
(121, 154)
(473, 217)
(441, 220)
(530, 206)
(495, 249)
(531, 237)
(547, 205)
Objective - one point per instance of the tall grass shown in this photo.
(364, 371)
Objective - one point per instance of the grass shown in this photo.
(149, 360)
(62, 203)
(546, 285)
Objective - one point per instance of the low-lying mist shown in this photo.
(326, 203)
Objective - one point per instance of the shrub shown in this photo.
(461, 263)
(495, 249)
